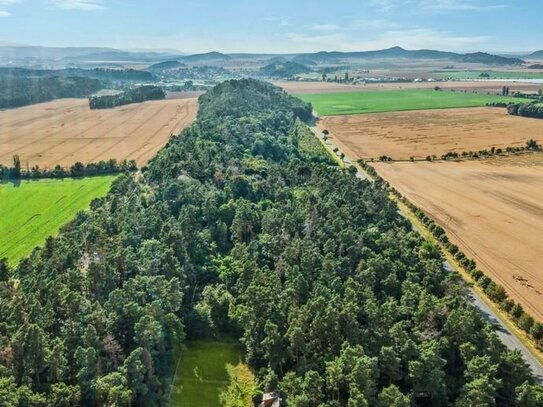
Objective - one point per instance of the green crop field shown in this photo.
(201, 373)
(33, 210)
(492, 75)
(328, 104)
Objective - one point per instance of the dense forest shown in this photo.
(242, 226)
(134, 95)
(21, 87)
(16, 91)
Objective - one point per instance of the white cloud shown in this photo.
(84, 5)
(434, 5)
(325, 27)
(450, 5)
(282, 20)
(385, 5)
(5, 13)
(375, 24)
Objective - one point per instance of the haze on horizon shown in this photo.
(278, 26)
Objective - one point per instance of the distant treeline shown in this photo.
(531, 145)
(22, 87)
(103, 74)
(76, 170)
(135, 95)
(115, 75)
(21, 91)
(526, 110)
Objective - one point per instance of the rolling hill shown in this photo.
(284, 69)
(208, 57)
(164, 66)
(399, 52)
(536, 55)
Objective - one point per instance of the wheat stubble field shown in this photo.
(418, 133)
(492, 209)
(66, 130)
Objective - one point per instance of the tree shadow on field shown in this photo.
(15, 181)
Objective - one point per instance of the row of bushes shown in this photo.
(134, 95)
(531, 145)
(494, 291)
(76, 170)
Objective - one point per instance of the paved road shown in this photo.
(505, 335)
(317, 132)
(503, 332)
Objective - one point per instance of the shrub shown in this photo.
(525, 322)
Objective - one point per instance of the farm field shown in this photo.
(33, 210)
(401, 135)
(301, 88)
(492, 209)
(201, 373)
(66, 131)
(493, 75)
(396, 100)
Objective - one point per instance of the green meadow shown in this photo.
(33, 210)
(328, 104)
(201, 373)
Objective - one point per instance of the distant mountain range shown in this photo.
(19, 54)
(536, 55)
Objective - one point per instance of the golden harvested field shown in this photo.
(492, 209)
(66, 131)
(401, 135)
(469, 86)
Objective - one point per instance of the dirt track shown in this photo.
(401, 135)
(470, 86)
(492, 209)
(65, 131)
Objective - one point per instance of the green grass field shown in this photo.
(201, 373)
(34, 210)
(328, 104)
(493, 75)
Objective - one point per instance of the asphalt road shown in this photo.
(503, 332)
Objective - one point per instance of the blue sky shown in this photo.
(276, 25)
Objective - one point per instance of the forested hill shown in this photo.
(242, 226)
(22, 91)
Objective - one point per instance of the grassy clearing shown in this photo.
(201, 373)
(328, 104)
(493, 75)
(33, 210)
